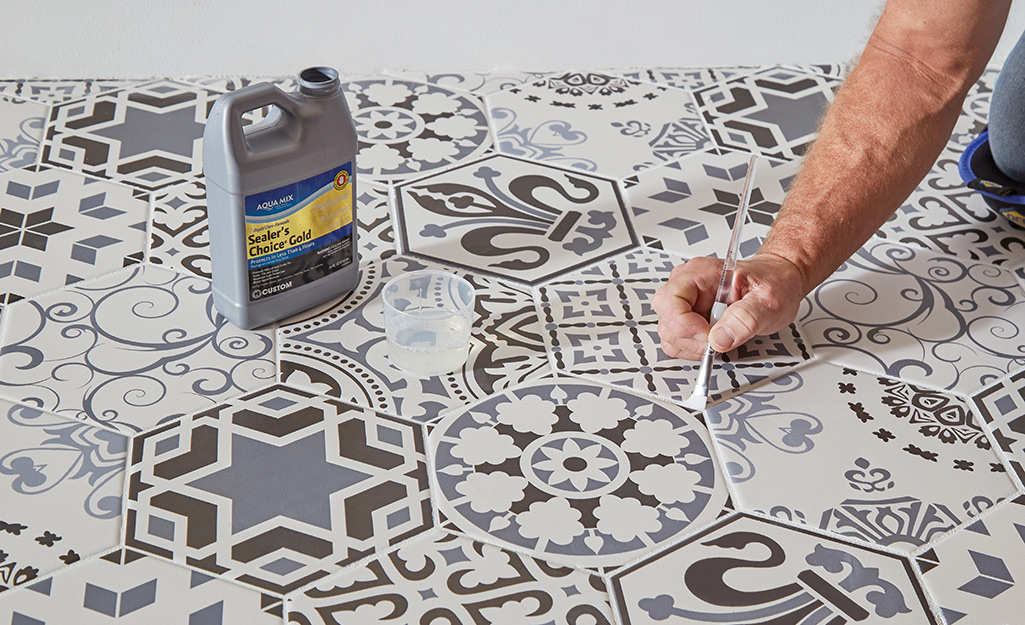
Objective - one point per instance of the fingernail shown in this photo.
(721, 339)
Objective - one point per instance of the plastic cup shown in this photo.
(427, 319)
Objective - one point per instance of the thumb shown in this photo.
(741, 321)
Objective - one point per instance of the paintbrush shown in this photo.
(699, 398)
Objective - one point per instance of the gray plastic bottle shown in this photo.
(281, 199)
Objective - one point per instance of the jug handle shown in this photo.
(247, 99)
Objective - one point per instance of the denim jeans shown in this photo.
(1007, 115)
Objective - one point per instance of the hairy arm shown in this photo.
(889, 121)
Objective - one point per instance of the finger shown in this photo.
(685, 349)
(742, 321)
(686, 327)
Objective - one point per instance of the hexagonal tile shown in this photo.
(136, 589)
(689, 206)
(773, 112)
(452, 577)
(477, 83)
(1002, 406)
(54, 91)
(687, 77)
(407, 128)
(128, 350)
(747, 570)
(976, 104)
(21, 130)
(596, 122)
(576, 472)
(513, 219)
(49, 463)
(894, 464)
(149, 135)
(974, 575)
(340, 350)
(58, 228)
(599, 324)
(927, 318)
(277, 488)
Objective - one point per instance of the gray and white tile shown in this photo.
(477, 83)
(689, 78)
(129, 350)
(55, 91)
(596, 122)
(21, 131)
(1002, 406)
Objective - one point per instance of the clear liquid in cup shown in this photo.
(435, 342)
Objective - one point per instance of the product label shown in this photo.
(299, 233)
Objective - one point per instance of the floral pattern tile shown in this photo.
(748, 570)
(773, 112)
(21, 130)
(57, 228)
(336, 484)
(513, 219)
(930, 319)
(686, 77)
(407, 129)
(129, 350)
(576, 472)
(134, 589)
(148, 136)
(49, 463)
(341, 350)
(688, 207)
(599, 324)
(975, 575)
(57, 91)
(461, 581)
(1002, 406)
(477, 83)
(596, 122)
(895, 464)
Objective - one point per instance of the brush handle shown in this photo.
(722, 294)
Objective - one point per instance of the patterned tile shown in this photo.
(341, 350)
(1002, 406)
(134, 589)
(975, 575)
(894, 464)
(179, 239)
(773, 112)
(457, 581)
(407, 128)
(21, 130)
(57, 91)
(596, 122)
(513, 219)
(976, 104)
(128, 350)
(576, 472)
(747, 570)
(277, 488)
(929, 319)
(943, 215)
(477, 83)
(688, 207)
(599, 324)
(57, 228)
(49, 463)
(833, 70)
(686, 77)
(223, 84)
(148, 136)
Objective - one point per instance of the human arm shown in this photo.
(889, 121)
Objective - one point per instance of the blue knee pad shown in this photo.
(980, 172)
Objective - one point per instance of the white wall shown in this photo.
(141, 38)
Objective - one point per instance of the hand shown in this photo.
(767, 292)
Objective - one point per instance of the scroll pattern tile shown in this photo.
(57, 228)
(407, 129)
(341, 351)
(975, 575)
(277, 488)
(459, 581)
(129, 350)
(929, 319)
(599, 324)
(21, 130)
(596, 122)
(576, 472)
(478, 83)
(50, 463)
(57, 91)
(894, 464)
(747, 570)
(148, 136)
(773, 112)
(513, 219)
(137, 590)
(1002, 406)
(688, 207)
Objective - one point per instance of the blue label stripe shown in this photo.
(300, 191)
(303, 248)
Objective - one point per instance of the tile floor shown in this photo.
(158, 464)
